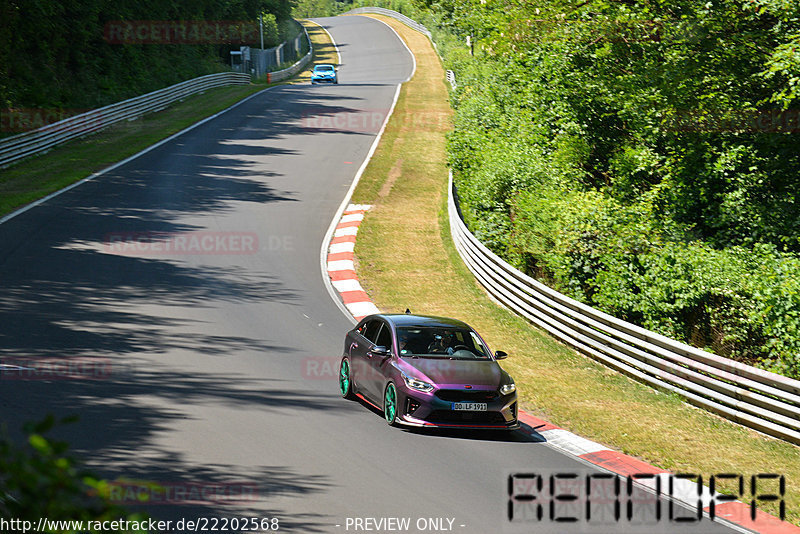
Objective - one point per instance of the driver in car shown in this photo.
(442, 343)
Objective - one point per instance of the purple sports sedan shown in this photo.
(427, 372)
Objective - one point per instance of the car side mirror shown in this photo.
(500, 355)
(379, 350)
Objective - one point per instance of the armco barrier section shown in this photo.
(451, 79)
(294, 69)
(268, 59)
(29, 143)
(413, 24)
(752, 397)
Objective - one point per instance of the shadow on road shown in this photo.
(106, 324)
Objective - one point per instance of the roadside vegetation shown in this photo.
(68, 56)
(38, 478)
(643, 158)
(41, 175)
(406, 182)
(41, 480)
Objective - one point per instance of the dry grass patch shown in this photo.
(407, 259)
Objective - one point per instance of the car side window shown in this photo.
(385, 337)
(372, 330)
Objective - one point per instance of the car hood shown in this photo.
(443, 372)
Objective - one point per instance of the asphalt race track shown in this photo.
(214, 369)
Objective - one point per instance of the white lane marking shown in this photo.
(15, 367)
(323, 251)
(332, 230)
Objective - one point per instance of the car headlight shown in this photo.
(507, 389)
(419, 385)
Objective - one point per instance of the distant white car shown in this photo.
(324, 73)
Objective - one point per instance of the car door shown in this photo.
(377, 363)
(359, 346)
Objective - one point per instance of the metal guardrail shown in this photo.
(411, 23)
(297, 67)
(451, 78)
(265, 60)
(33, 142)
(752, 397)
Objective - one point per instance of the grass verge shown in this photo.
(405, 258)
(41, 175)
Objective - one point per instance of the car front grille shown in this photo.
(458, 395)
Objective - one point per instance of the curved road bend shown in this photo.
(217, 370)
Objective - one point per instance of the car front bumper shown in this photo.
(427, 410)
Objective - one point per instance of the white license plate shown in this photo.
(470, 406)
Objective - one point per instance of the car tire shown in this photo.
(390, 404)
(345, 380)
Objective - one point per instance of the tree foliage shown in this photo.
(54, 54)
(640, 156)
(39, 480)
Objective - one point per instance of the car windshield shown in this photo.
(323, 68)
(440, 342)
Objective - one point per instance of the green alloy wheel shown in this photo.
(345, 384)
(390, 404)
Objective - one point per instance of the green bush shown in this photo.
(634, 156)
(39, 480)
(54, 55)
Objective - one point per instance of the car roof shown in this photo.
(408, 319)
